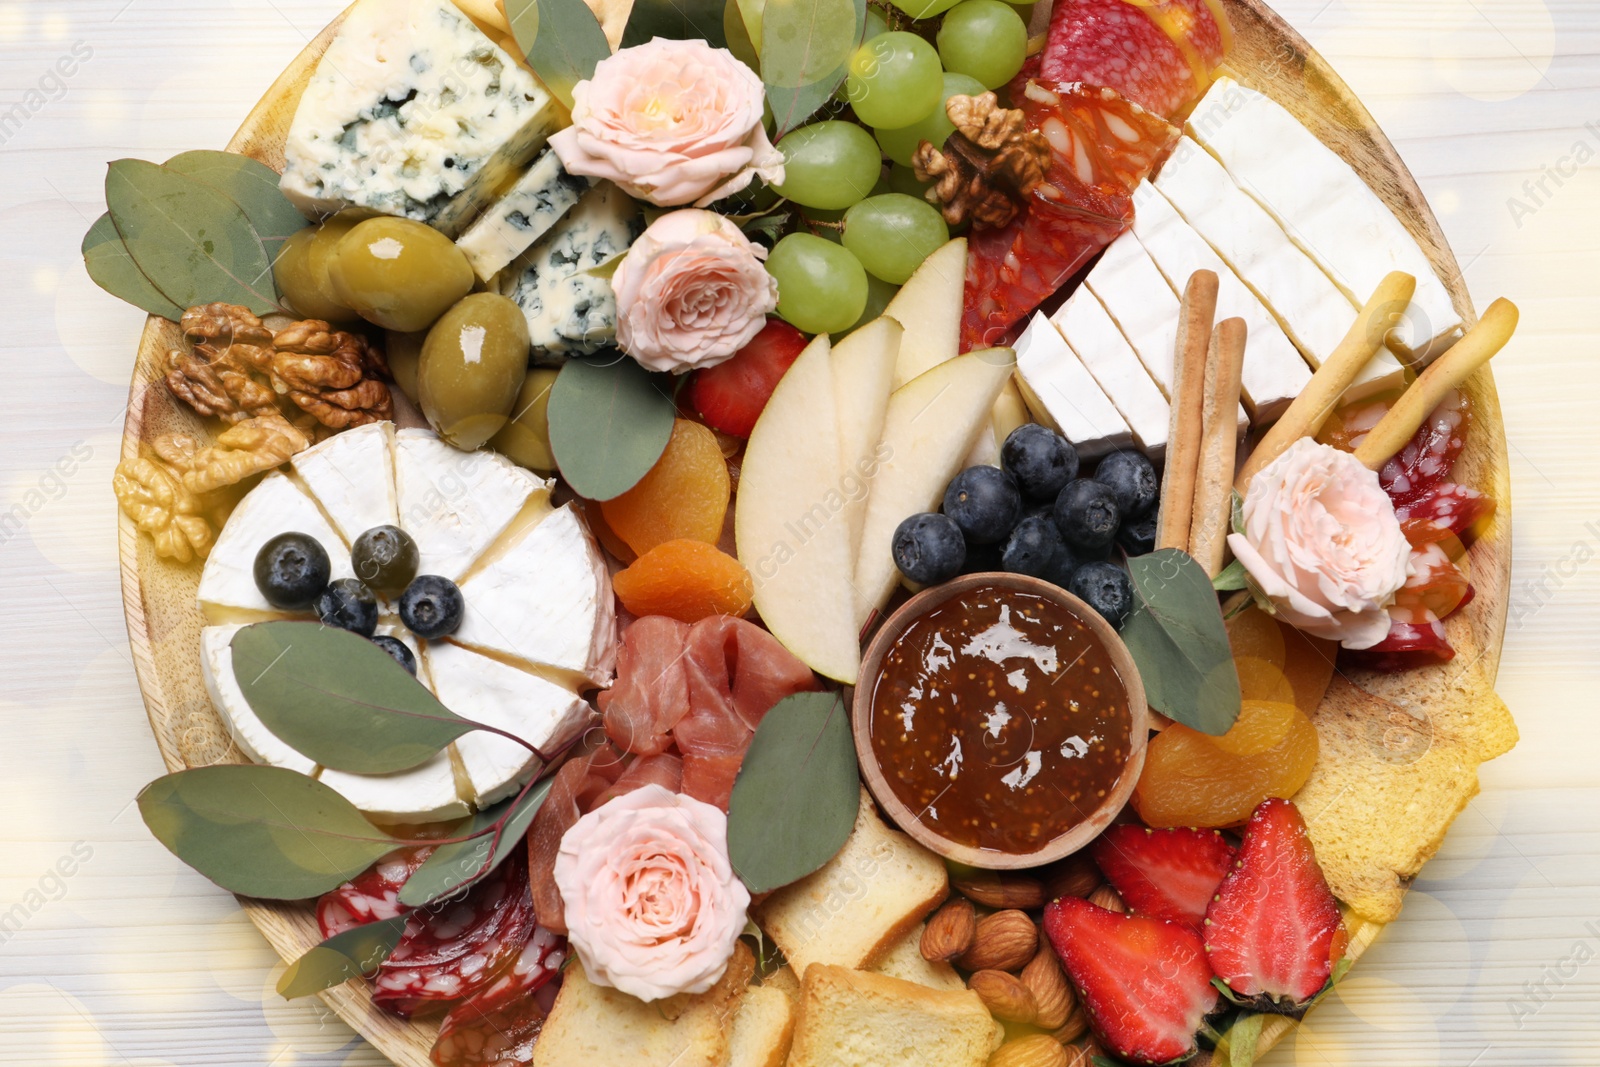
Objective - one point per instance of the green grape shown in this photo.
(893, 80)
(984, 38)
(822, 288)
(876, 24)
(921, 9)
(829, 165)
(935, 126)
(904, 180)
(892, 234)
(879, 293)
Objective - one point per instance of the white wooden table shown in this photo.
(112, 953)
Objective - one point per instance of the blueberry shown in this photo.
(385, 557)
(929, 549)
(1138, 538)
(1088, 516)
(291, 569)
(431, 606)
(1041, 460)
(349, 605)
(983, 559)
(985, 504)
(1033, 548)
(1106, 588)
(1132, 479)
(1063, 567)
(400, 651)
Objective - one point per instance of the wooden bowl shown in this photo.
(913, 611)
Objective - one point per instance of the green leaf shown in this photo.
(342, 957)
(805, 45)
(1232, 579)
(562, 38)
(797, 794)
(750, 13)
(610, 420)
(456, 865)
(1178, 639)
(339, 699)
(737, 33)
(681, 20)
(193, 242)
(262, 831)
(1236, 512)
(250, 184)
(1104, 1061)
(1238, 1048)
(106, 259)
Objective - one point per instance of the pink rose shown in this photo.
(670, 122)
(1322, 542)
(691, 292)
(652, 904)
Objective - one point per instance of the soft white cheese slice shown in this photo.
(248, 731)
(275, 506)
(1062, 394)
(455, 504)
(546, 600)
(1274, 371)
(485, 690)
(426, 793)
(351, 475)
(524, 214)
(1326, 209)
(1102, 349)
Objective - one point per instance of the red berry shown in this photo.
(731, 396)
(1165, 874)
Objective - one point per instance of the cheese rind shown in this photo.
(1061, 393)
(1106, 354)
(351, 475)
(526, 212)
(275, 506)
(247, 729)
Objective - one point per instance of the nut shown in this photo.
(1075, 876)
(988, 167)
(1002, 891)
(1109, 899)
(332, 375)
(1005, 941)
(950, 932)
(1004, 995)
(1082, 1053)
(1051, 991)
(1037, 1050)
(243, 449)
(153, 496)
(1076, 1026)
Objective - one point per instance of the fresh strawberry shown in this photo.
(1144, 983)
(1274, 932)
(1165, 874)
(732, 395)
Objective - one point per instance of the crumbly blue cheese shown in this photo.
(571, 310)
(539, 200)
(413, 112)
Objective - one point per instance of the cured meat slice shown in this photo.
(576, 788)
(737, 662)
(1406, 647)
(1157, 53)
(665, 770)
(650, 694)
(1449, 511)
(1430, 456)
(1436, 588)
(453, 949)
(371, 896)
(498, 1025)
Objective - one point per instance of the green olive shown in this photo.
(301, 269)
(404, 352)
(526, 438)
(399, 274)
(472, 368)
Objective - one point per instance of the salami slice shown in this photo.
(1157, 53)
(1407, 646)
(1447, 513)
(372, 896)
(498, 1025)
(1430, 456)
(1436, 588)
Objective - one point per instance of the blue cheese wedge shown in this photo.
(571, 310)
(245, 727)
(1326, 209)
(351, 475)
(524, 214)
(413, 112)
(228, 591)
(1106, 354)
(1063, 395)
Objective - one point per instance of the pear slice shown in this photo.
(930, 428)
(790, 523)
(929, 306)
(863, 376)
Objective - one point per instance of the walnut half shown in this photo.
(154, 497)
(988, 166)
(247, 448)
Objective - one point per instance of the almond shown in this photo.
(1039, 1050)
(950, 932)
(1051, 992)
(1002, 891)
(1075, 876)
(1076, 1026)
(1109, 899)
(1004, 995)
(1082, 1053)
(1005, 941)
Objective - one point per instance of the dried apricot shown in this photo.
(1189, 781)
(685, 495)
(1261, 725)
(685, 580)
(1279, 663)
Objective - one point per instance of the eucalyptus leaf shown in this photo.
(262, 831)
(343, 956)
(681, 20)
(1232, 579)
(750, 12)
(562, 38)
(1238, 1048)
(192, 241)
(340, 700)
(1180, 643)
(738, 36)
(106, 259)
(797, 794)
(610, 420)
(454, 866)
(253, 186)
(805, 45)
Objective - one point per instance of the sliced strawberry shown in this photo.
(1144, 983)
(1274, 932)
(1165, 874)
(732, 395)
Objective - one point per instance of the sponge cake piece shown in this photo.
(905, 962)
(763, 1026)
(861, 1019)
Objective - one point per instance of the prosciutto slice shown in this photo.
(651, 693)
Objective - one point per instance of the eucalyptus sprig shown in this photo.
(1179, 641)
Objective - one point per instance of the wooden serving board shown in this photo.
(164, 621)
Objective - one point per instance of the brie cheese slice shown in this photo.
(1062, 394)
(426, 793)
(351, 475)
(1102, 349)
(275, 506)
(248, 731)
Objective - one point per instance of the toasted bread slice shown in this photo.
(861, 1019)
(853, 910)
(762, 1028)
(786, 980)
(904, 961)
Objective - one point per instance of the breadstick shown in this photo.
(1311, 408)
(1447, 372)
(1213, 490)
(1188, 400)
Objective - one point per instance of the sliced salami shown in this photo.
(1157, 53)
(498, 1025)
(1436, 588)
(1447, 512)
(1406, 647)
(373, 895)
(1430, 456)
